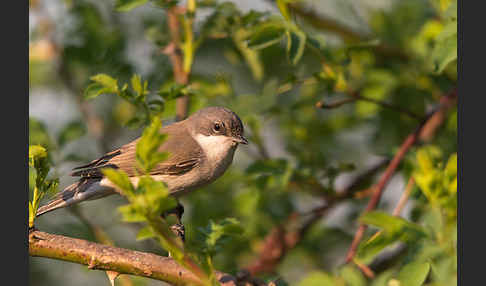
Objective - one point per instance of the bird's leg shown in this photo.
(177, 228)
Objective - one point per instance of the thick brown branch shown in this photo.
(426, 127)
(123, 261)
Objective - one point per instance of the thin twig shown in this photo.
(286, 236)
(321, 104)
(388, 257)
(387, 105)
(356, 96)
(445, 103)
(404, 198)
(365, 269)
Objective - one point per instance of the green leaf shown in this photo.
(173, 90)
(352, 276)
(382, 278)
(70, 132)
(131, 213)
(389, 223)
(216, 234)
(51, 186)
(317, 278)
(148, 145)
(106, 81)
(127, 5)
(266, 35)
(120, 179)
(445, 53)
(413, 274)
(316, 42)
(36, 152)
(156, 195)
(368, 250)
(103, 84)
(93, 90)
(296, 40)
(145, 233)
(445, 50)
(394, 229)
(139, 88)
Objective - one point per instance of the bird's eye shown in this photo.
(217, 127)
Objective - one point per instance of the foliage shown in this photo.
(39, 162)
(320, 99)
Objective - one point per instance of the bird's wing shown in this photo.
(124, 158)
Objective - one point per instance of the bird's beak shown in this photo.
(240, 139)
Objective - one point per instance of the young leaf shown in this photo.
(36, 152)
(148, 145)
(106, 81)
(156, 195)
(120, 179)
(102, 84)
(139, 87)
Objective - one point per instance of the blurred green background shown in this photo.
(398, 52)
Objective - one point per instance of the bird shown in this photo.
(201, 148)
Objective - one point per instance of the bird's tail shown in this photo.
(84, 189)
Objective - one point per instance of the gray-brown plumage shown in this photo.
(200, 149)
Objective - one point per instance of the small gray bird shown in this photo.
(200, 149)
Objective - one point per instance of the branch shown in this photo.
(427, 127)
(124, 261)
(175, 54)
(284, 237)
(356, 96)
(102, 237)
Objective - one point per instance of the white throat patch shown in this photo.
(216, 148)
(219, 151)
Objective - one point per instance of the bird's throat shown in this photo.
(219, 151)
